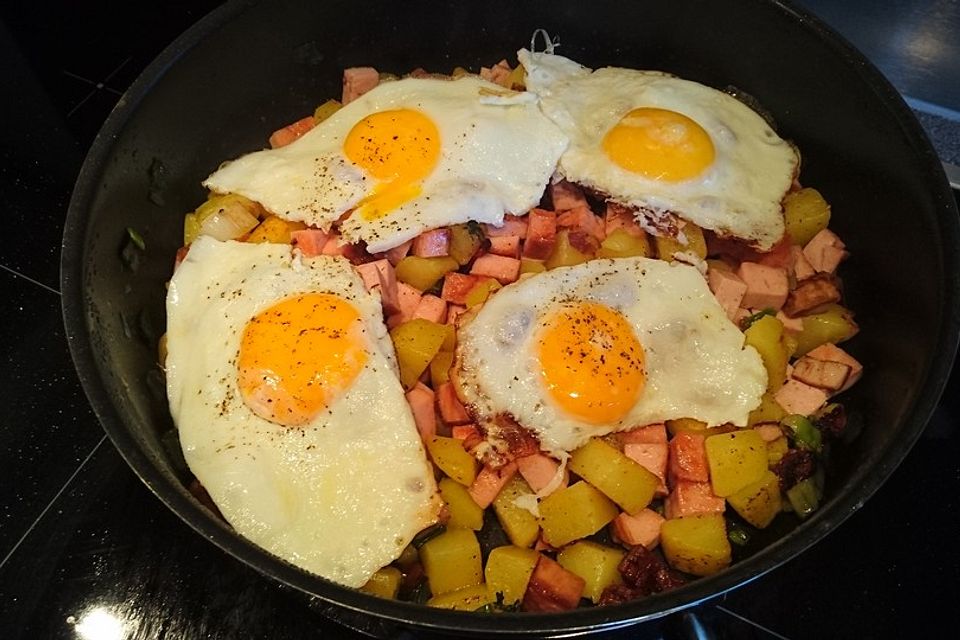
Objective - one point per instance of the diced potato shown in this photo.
(621, 479)
(805, 214)
(452, 561)
(464, 512)
(481, 291)
(517, 78)
(623, 244)
(685, 425)
(595, 563)
(440, 368)
(465, 241)
(564, 254)
(465, 599)
(574, 512)
(521, 526)
(696, 544)
(449, 338)
(736, 460)
(834, 324)
(275, 230)
(768, 411)
(529, 265)
(766, 336)
(696, 243)
(508, 571)
(326, 110)
(776, 450)
(417, 342)
(384, 583)
(450, 456)
(759, 502)
(423, 273)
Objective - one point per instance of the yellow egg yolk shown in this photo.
(398, 148)
(659, 145)
(299, 355)
(591, 362)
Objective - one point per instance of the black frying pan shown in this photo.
(249, 68)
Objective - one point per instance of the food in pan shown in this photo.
(615, 342)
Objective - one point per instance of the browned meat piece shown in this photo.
(794, 466)
(812, 294)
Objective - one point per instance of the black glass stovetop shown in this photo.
(87, 552)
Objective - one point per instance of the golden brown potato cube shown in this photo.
(465, 241)
(452, 561)
(275, 230)
(464, 512)
(450, 456)
(759, 502)
(623, 244)
(423, 273)
(384, 583)
(621, 479)
(465, 599)
(766, 336)
(776, 449)
(440, 368)
(685, 425)
(565, 254)
(736, 460)
(508, 571)
(696, 544)
(573, 513)
(521, 526)
(805, 214)
(769, 410)
(695, 243)
(595, 563)
(416, 342)
(834, 324)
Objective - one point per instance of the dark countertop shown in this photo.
(87, 552)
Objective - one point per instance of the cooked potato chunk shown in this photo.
(423, 273)
(508, 571)
(766, 336)
(384, 583)
(465, 599)
(834, 325)
(453, 459)
(805, 214)
(417, 342)
(623, 244)
(768, 411)
(736, 460)
(696, 244)
(696, 544)
(617, 476)
(573, 513)
(464, 512)
(521, 526)
(759, 502)
(565, 254)
(451, 561)
(595, 563)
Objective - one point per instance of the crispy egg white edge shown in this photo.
(340, 498)
(511, 384)
(585, 105)
(498, 153)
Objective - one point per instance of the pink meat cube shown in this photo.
(728, 289)
(432, 244)
(691, 498)
(357, 81)
(504, 269)
(642, 528)
(431, 308)
(767, 287)
(566, 196)
(796, 397)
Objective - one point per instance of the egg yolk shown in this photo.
(398, 148)
(591, 362)
(659, 145)
(298, 356)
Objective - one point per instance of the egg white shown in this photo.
(696, 363)
(340, 497)
(738, 195)
(498, 152)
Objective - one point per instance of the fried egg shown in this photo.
(604, 346)
(664, 145)
(408, 156)
(282, 381)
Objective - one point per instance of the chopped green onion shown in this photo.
(804, 432)
(738, 537)
(137, 238)
(804, 497)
